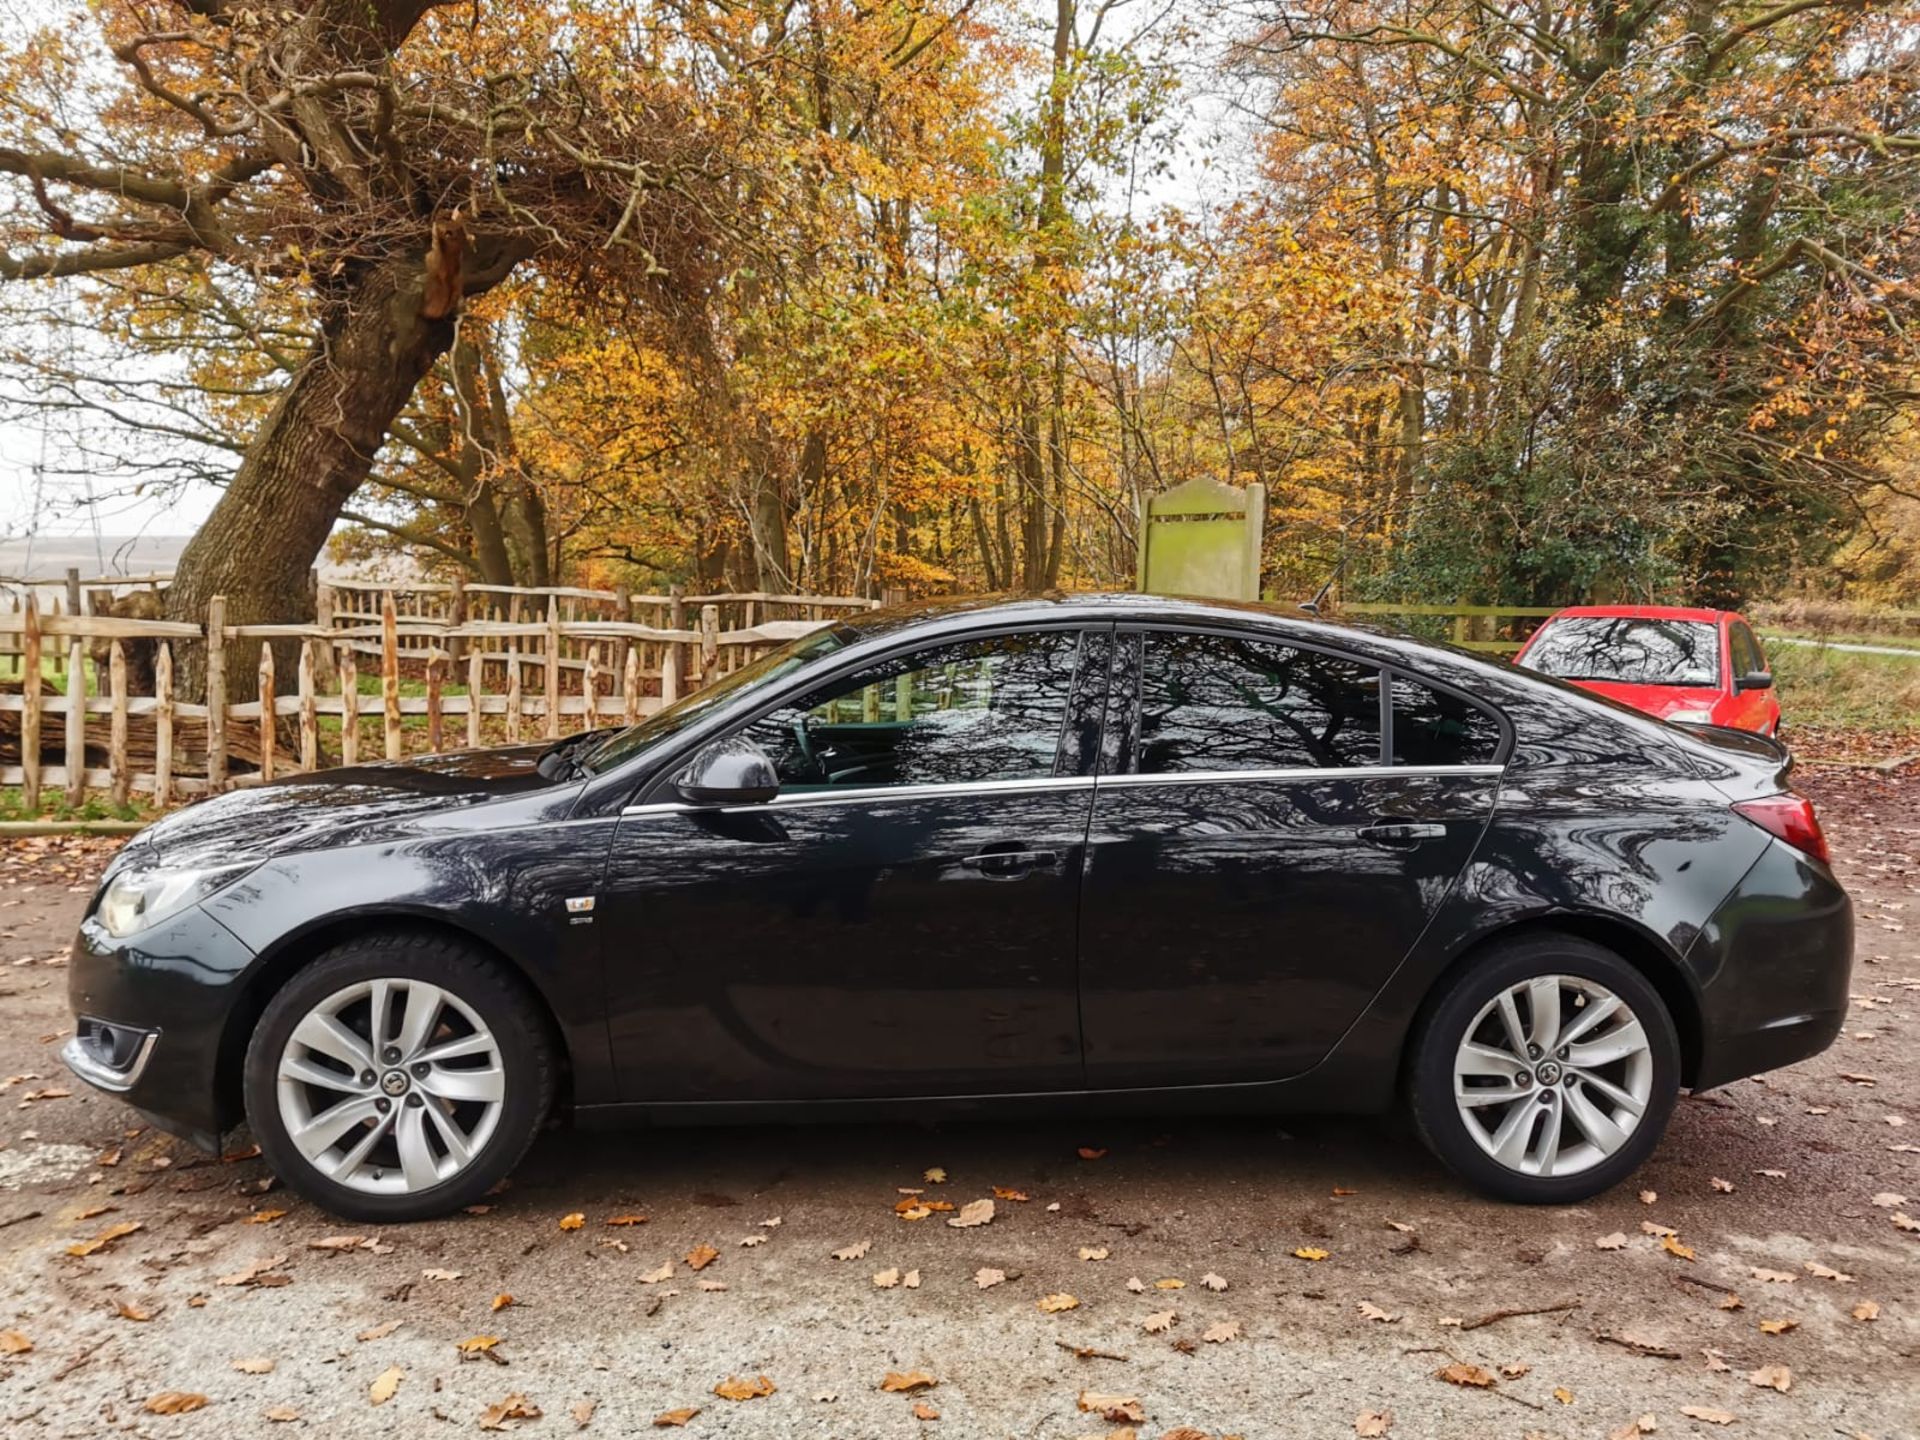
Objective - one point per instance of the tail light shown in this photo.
(1789, 818)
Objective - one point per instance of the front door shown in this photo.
(1264, 851)
(900, 920)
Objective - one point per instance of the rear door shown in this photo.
(1273, 826)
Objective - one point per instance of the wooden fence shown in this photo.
(1472, 627)
(444, 679)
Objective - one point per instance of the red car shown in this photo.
(1702, 667)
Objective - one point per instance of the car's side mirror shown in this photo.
(1754, 680)
(729, 772)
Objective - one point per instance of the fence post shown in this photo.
(436, 665)
(476, 675)
(323, 666)
(30, 689)
(390, 672)
(76, 718)
(456, 617)
(670, 673)
(513, 693)
(118, 775)
(216, 694)
(709, 639)
(76, 603)
(349, 705)
(623, 612)
(267, 717)
(676, 620)
(309, 709)
(553, 667)
(163, 725)
(590, 689)
(630, 687)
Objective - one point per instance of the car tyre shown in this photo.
(1460, 1104)
(471, 1089)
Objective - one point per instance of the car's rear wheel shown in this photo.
(1546, 1071)
(397, 1077)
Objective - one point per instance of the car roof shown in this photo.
(1644, 612)
(1117, 606)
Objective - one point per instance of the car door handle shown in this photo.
(1010, 864)
(1401, 836)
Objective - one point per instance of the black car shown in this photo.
(1097, 851)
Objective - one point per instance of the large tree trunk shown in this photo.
(312, 452)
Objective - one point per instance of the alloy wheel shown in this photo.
(391, 1086)
(1553, 1075)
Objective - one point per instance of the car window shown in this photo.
(988, 709)
(1219, 702)
(1747, 654)
(1627, 651)
(1434, 727)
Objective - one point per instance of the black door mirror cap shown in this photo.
(728, 772)
(1754, 680)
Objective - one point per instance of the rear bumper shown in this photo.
(1774, 967)
(174, 984)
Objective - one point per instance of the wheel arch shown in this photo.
(273, 968)
(1656, 964)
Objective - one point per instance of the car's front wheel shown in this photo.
(397, 1077)
(1546, 1071)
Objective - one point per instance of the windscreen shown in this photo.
(1627, 651)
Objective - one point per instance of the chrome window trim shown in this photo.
(883, 793)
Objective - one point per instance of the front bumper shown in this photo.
(1774, 967)
(174, 984)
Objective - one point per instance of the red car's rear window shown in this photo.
(1627, 651)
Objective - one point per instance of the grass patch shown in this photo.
(1845, 689)
(54, 806)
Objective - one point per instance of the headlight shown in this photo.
(135, 899)
(1690, 717)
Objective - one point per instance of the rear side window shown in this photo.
(1434, 727)
(1220, 702)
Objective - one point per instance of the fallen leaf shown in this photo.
(1888, 1200)
(1370, 1424)
(935, 1175)
(1712, 1417)
(1903, 1221)
(1716, 1362)
(582, 1413)
(253, 1365)
(1772, 1377)
(1461, 1373)
(713, 1287)
(1087, 1152)
(1517, 1369)
(264, 1217)
(1563, 1395)
(905, 1382)
(986, 1279)
(628, 1220)
(380, 1331)
(854, 1252)
(337, 1242)
(281, 1414)
(701, 1256)
(514, 1407)
(476, 1344)
(1006, 1192)
(1087, 1252)
(1633, 1429)
(502, 1301)
(749, 1241)
(385, 1384)
(1731, 1302)
(1867, 1310)
(1370, 1311)
(1213, 1282)
(250, 1274)
(886, 1279)
(1220, 1333)
(910, 1281)
(1772, 1277)
(12, 1342)
(1725, 1187)
(1136, 1285)
(668, 1419)
(1649, 1197)
(734, 1388)
(1169, 1284)
(173, 1402)
(1115, 1408)
(1054, 1304)
(655, 1277)
(105, 1238)
(1671, 1244)
(1160, 1321)
(923, 1411)
(974, 1212)
(436, 1273)
(1311, 1252)
(1616, 1241)
(1826, 1272)
(1778, 1327)
(573, 1221)
(1648, 1227)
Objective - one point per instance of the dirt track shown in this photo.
(1634, 1331)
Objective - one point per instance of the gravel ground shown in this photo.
(1782, 1192)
